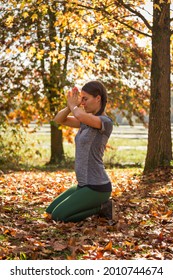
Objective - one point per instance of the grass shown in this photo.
(120, 151)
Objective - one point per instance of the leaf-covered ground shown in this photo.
(143, 226)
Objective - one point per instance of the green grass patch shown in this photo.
(120, 152)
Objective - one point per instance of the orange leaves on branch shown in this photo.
(87, 33)
(68, 134)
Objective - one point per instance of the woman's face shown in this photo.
(90, 103)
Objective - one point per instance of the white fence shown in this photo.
(121, 131)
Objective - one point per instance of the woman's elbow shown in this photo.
(57, 121)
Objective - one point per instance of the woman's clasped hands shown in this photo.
(73, 98)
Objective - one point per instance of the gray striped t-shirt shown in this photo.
(90, 146)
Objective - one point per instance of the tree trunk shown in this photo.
(159, 152)
(57, 151)
(55, 88)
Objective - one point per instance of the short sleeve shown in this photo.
(107, 125)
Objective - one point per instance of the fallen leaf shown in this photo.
(57, 246)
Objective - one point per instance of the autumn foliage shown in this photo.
(48, 46)
(143, 226)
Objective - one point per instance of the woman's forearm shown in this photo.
(61, 116)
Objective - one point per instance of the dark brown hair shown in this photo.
(96, 88)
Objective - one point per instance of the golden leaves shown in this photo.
(22, 5)
(40, 54)
(43, 8)
(9, 21)
(25, 14)
(34, 17)
(32, 51)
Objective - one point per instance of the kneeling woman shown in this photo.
(91, 195)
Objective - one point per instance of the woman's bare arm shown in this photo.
(88, 119)
(62, 117)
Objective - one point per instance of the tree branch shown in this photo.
(103, 10)
(130, 9)
(134, 29)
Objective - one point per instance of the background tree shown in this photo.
(46, 39)
(49, 45)
(159, 152)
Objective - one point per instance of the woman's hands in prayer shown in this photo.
(73, 98)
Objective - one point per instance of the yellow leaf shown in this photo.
(61, 56)
(28, 37)
(54, 60)
(57, 39)
(68, 38)
(157, 7)
(32, 51)
(135, 200)
(56, 23)
(127, 243)
(53, 53)
(25, 14)
(84, 53)
(52, 44)
(8, 51)
(9, 21)
(40, 54)
(22, 5)
(102, 63)
(20, 49)
(44, 8)
(34, 17)
(91, 55)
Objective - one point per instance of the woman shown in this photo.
(91, 195)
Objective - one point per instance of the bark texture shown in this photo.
(159, 152)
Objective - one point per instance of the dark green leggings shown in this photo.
(76, 204)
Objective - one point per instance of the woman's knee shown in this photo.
(55, 215)
(61, 212)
